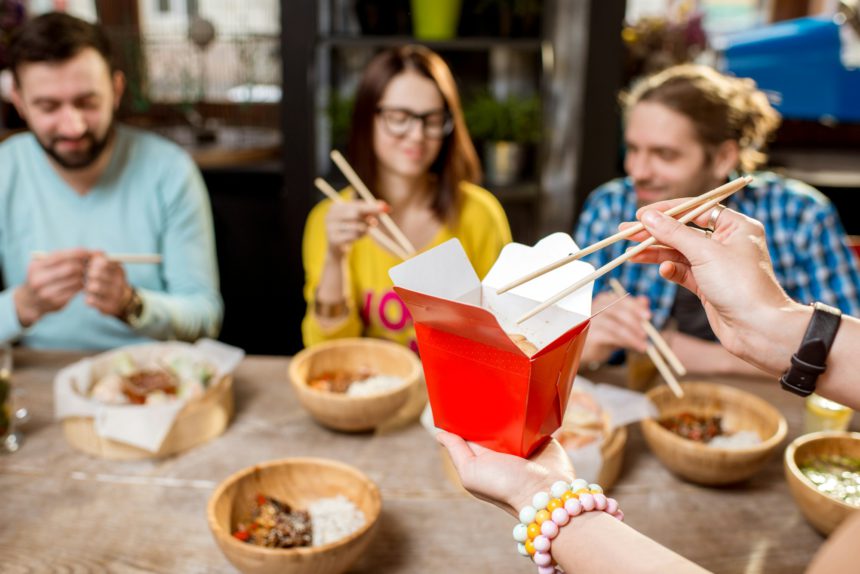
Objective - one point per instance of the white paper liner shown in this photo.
(622, 406)
(142, 426)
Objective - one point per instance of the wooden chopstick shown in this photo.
(665, 371)
(655, 336)
(375, 233)
(365, 194)
(686, 218)
(143, 258)
(732, 186)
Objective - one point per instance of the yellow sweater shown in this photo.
(374, 309)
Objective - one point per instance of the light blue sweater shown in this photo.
(151, 199)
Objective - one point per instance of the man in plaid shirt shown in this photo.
(690, 129)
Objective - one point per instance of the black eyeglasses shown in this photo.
(435, 124)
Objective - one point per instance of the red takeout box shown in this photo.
(480, 384)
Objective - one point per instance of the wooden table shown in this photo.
(63, 510)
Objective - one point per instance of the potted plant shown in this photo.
(340, 118)
(507, 127)
(504, 18)
(383, 17)
(435, 19)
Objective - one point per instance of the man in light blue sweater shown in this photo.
(78, 188)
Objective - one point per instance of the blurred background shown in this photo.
(259, 91)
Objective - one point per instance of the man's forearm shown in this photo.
(182, 317)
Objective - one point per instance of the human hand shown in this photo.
(730, 272)
(348, 221)
(52, 281)
(505, 480)
(106, 287)
(617, 327)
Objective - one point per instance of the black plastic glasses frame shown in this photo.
(444, 130)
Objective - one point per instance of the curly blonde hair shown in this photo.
(721, 107)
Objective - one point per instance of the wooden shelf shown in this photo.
(464, 44)
(520, 192)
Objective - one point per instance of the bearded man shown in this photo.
(80, 188)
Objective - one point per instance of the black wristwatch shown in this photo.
(810, 360)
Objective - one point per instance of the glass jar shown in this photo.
(824, 414)
(10, 438)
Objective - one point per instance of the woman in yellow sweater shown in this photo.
(409, 143)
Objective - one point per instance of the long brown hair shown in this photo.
(721, 107)
(457, 160)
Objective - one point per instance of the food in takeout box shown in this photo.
(585, 422)
(594, 431)
(147, 400)
(482, 384)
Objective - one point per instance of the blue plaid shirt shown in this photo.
(807, 243)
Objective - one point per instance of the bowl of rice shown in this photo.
(713, 435)
(294, 516)
(354, 384)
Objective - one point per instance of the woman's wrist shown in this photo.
(538, 483)
(773, 336)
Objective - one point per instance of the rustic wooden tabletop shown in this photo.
(61, 510)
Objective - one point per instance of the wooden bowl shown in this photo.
(705, 464)
(348, 413)
(613, 457)
(298, 482)
(200, 420)
(824, 512)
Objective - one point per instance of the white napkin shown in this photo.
(623, 407)
(143, 426)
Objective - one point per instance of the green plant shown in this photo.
(340, 117)
(515, 119)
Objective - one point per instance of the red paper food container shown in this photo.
(481, 385)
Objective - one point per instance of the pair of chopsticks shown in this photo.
(400, 246)
(142, 258)
(658, 345)
(374, 232)
(691, 208)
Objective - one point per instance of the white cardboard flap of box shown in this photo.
(445, 272)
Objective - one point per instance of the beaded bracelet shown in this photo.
(540, 522)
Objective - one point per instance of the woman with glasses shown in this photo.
(410, 145)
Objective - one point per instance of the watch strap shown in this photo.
(810, 360)
(133, 309)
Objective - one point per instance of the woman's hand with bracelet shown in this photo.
(505, 480)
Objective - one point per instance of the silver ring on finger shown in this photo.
(712, 219)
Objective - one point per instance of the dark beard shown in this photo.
(86, 158)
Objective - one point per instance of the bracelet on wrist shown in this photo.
(334, 310)
(133, 308)
(541, 521)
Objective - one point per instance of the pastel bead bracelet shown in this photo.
(540, 523)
